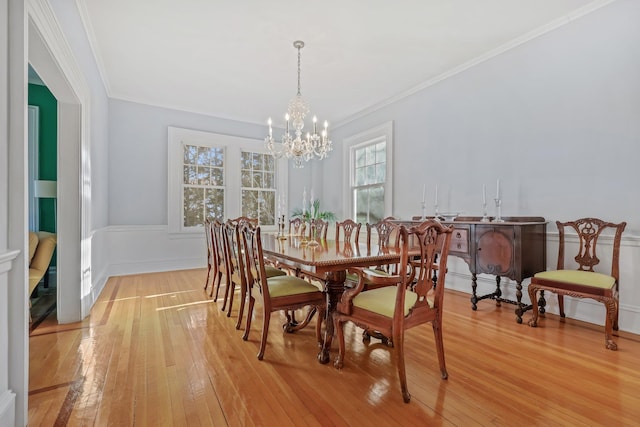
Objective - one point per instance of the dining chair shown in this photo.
(406, 299)
(279, 293)
(384, 232)
(234, 266)
(318, 229)
(218, 258)
(349, 229)
(297, 227)
(209, 241)
(584, 282)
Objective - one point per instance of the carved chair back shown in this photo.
(589, 230)
(318, 229)
(297, 227)
(350, 229)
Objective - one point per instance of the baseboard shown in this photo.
(150, 266)
(585, 310)
(7, 409)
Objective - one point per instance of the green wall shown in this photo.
(47, 148)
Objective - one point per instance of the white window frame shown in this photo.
(232, 146)
(383, 132)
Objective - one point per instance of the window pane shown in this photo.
(190, 154)
(217, 157)
(267, 208)
(257, 161)
(371, 174)
(257, 180)
(371, 154)
(214, 203)
(360, 160)
(204, 175)
(362, 204)
(250, 203)
(376, 204)
(203, 155)
(217, 176)
(381, 171)
(246, 178)
(193, 206)
(190, 175)
(360, 177)
(245, 160)
(269, 163)
(270, 180)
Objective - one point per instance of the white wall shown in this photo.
(555, 119)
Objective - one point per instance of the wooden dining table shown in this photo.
(327, 261)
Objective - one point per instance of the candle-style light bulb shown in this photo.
(315, 124)
(270, 130)
(286, 117)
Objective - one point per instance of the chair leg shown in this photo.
(437, 332)
(231, 290)
(338, 325)
(398, 338)
(243, 296)
(265, 332)
(611, 307)
(320, 311)
(215, 284)
(247, 326)
(533, 322)
(561, 305)
(206, 283)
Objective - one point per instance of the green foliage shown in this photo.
(314, 213)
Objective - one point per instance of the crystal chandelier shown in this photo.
(299, 147)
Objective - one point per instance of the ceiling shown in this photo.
(236, 60)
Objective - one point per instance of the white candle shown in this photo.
(311, 199)
(498, 189)
(436, 198)
(270, 130)
(424, 192)
(304, 200)
(484, 194)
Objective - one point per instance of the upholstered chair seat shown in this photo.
(588, 279)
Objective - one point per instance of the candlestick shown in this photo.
(498, 189)
(498, 217)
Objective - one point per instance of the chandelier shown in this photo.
(297, 146)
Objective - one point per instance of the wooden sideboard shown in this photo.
(515, 248)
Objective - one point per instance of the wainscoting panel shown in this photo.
(145, 249)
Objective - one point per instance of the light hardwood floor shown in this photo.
(156, 351)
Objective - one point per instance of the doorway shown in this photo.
(43, 164)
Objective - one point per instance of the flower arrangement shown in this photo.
(313, 212)
(307, 213)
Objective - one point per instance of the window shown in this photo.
(370, 174)
(220, 176)
(258, 186)
(203, 184)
